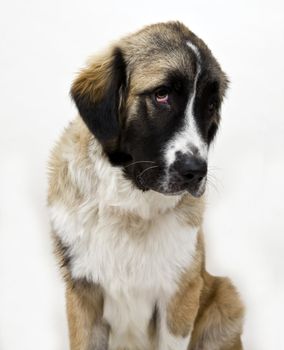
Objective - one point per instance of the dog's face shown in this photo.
(153, 101)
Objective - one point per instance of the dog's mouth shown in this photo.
(176, 188)
(156, 178)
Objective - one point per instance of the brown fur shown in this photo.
(93, 80)
(84, 310)
(183, 307)
(219, 320)
(60, 182)
(84, 306)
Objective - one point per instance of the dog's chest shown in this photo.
(123, 254)
(136, 264)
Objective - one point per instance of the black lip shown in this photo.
(177, 188)
(141, 184)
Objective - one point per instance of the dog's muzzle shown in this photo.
(189, 173)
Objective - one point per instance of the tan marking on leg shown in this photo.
(183, 308)
(219, 321)
(236, 344)
(84, 304)
(184, 305)
(84, 311)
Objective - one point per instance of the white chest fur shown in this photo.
(136, 262)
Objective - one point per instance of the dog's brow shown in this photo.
(151, 87)
(168, 79)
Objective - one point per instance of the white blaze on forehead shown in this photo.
(194, 49)
(189, 136)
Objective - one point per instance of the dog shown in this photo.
(126, 200)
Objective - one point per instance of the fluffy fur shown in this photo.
(133, 255)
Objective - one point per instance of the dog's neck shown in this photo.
(116, 191)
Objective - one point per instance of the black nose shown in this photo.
(191, 168)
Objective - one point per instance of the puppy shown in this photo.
(125, 199)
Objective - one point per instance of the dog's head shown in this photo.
(153, 102)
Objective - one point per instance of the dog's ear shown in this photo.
(97, 94)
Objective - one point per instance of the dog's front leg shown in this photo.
(177, 316)
(84, 304)
(219, 321)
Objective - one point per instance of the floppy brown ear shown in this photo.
(96, 93)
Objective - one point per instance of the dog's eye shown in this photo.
(162, 95)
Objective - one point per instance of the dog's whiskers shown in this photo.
(213, 168)
(212, 181)
(139, 161)
(144, 171)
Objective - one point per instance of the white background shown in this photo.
(42, 45)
